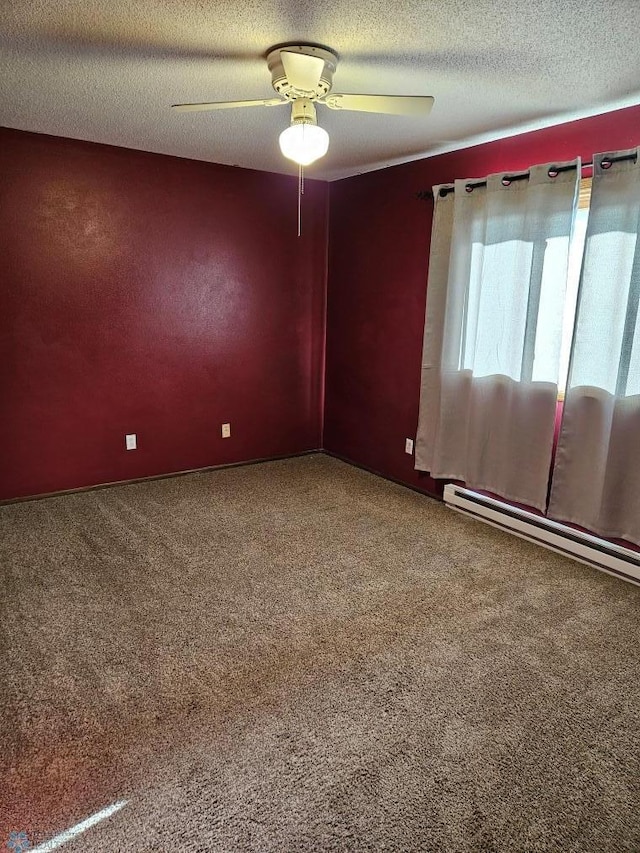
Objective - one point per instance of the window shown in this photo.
(535, 343)
(576, 250)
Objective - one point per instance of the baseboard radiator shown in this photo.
(583, 547)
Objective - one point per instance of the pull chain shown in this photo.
(300, 194)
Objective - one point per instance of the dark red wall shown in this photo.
(378, 257)
(149, 294)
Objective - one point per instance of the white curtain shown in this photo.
(495, 297)
(596, 480)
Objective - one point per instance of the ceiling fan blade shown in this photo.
(303, 71)
(399, 105)
(227, 105)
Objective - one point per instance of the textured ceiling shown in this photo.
(107, 70)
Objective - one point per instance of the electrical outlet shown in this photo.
(131, 441)
(408, 446)
(226, 430)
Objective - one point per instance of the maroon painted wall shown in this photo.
(150, 294)
(378, 258)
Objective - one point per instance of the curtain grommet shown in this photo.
(506, 181)
(605, 163)
(553, 172)
(468, 188)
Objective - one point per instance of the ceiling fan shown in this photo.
(302, 75)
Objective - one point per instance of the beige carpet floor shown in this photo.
(300, 656)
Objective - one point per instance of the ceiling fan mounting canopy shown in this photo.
(302, 70)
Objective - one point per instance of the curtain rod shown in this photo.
(606, 163)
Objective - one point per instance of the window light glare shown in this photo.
(304, 143)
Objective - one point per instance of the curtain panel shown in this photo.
(493, 329)
(596, 479)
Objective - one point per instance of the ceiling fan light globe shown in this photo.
(304, 143)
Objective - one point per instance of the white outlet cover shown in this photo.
(408, 445)
(131, 441)
(226, 430)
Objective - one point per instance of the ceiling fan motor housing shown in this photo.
(282, 85)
